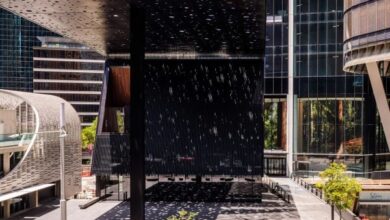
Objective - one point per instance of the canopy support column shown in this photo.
(137, 113)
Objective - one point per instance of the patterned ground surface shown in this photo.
(212, 202)
(271, 208)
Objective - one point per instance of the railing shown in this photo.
(275, 188)
(87, 154)
(8, 140)
(345, 214)
(309, 187)
(383, 174)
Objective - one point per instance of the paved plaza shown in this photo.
(164, 201)
(51, 211)
(309, 206)
(271, 208)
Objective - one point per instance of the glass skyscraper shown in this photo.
(330, 101)
(18, 36)
(334, 118)
(18, 40)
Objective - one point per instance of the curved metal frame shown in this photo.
(40, 163)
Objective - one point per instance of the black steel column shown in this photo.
(137, 113)
(369, 129)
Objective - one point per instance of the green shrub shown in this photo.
(183, 215)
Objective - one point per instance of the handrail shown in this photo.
(13, 137)
(309, 187)
(370, 175)
(346, 214)
(22, 138)
(275, 188)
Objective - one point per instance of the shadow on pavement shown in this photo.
(210, 200)
(47, 207)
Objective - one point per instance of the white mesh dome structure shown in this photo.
(37, 120)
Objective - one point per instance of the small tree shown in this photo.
(183, 215)
(120, 122)
(340, 190)
(88, 135)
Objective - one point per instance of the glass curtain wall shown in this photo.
(276, 60)
(330, 102)
(382, 156)
(275, 122)
(276, 71)
(17, 39)
(381, 160)
(330, 130)
(335, 114)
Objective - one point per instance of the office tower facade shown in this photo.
(71, 71)
(18, 36)
(366, 52)
(333, 118)
(275, 88)
(329, 106)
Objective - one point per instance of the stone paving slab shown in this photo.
(51, 211)
(308, 205)
(271, 208)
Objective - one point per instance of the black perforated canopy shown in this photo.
(189, 26)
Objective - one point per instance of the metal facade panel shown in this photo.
(40, 162)
(200, 26)
(102, 25)
(111, 154)
(204, 117)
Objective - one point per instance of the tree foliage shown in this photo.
(271, 125)
(339, 189)
(120, 122)
(183, 215)
(88, 135)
